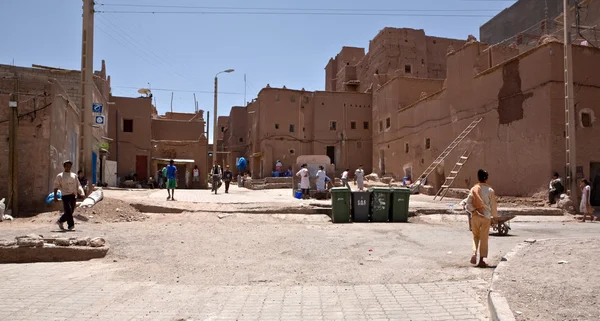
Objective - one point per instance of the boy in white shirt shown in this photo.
(68, 184)
(345, 178)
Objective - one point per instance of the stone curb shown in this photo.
(497, 303)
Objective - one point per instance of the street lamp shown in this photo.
(215, 129)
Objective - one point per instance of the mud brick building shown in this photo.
(49, 127)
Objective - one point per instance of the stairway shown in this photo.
(421, 180)
(453, 174)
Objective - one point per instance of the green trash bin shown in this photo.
(399, 210)
(340, 205)
(380, 205)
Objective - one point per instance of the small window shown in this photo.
(276, 97)
(332, 125)
(128, 125)
(408, 69)
(586, 120)
(292, 151)
(388, 123)
(406, 149)
(305, 99)
(292, 98)
(427, 143)
(241, 140)
(352, 125)
(222, 129)
(366, 125)
(381, 125)
(292, 129)
(276, 126)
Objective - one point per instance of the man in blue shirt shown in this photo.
(171, 180)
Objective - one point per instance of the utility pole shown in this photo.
(570, 126)
(87, 83)
(13, 162)
(171, 102)
(215, 127)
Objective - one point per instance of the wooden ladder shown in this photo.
(453, 174)
(421, 180)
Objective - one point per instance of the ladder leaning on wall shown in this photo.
(421, 180)
(453, 175)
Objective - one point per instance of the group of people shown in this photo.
(218, 174)
(556, 189)
(323, 181)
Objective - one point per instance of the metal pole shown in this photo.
(171, 102)
(87, 81)
(570, 126)
(215, 123)
(13, 166)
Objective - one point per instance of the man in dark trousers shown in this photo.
(227, 177)
(69, 186)
(216, 176)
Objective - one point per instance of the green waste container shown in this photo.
(399, 209)
(340, 205)
(380, 204)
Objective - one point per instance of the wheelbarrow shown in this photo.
(500, 224)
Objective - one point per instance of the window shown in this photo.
(366, 125)
(241, 140)
(352, 125)
(276, 97)
(408, 69)
(292, 129)
(305, 99)
(427, 143)
(388, 123)
(128, 125)
(292, 152)
(333, 125)
(406, 149)
(381, 125)
(586, 119)
(222, 129)
(292, 98)
(276, 126)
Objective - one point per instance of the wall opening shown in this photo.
(241, 140)
(292, 151)
(276, 126)
(366, 125)
(408, 69)
(427, 143)
(352, 125)
(388, 123)
(406, 148)
(586, 117)
(128, 125)
(381, 125)
(292, 128)
(331, 153)
(333, 125)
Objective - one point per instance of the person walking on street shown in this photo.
(227, 177)
(321, 177)
(482, 205)
(171, 180)
(345, 178)
(217, 173)
(196, 174)
(585, 207)
(68, 184)
(359, 177)
(304, 181)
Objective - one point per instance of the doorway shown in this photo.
(595, 181)
(331, 154)
(382, 161)
(141, 167)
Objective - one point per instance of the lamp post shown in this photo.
(215, 127)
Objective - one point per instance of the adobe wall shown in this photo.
(130, 144)
(222, 122)
(164, 129)
(182, 150)
(183, 116)
(522, 15)
(44, 139)
(347, 56)
(236, 136)
(513, 142)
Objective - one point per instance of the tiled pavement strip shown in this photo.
(86, 291)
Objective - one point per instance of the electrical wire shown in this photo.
(298, 13)
(294, 9)
(182, 90)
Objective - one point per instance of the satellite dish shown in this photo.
(144, 91)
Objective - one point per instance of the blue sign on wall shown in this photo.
(99, 120)
(97, 108)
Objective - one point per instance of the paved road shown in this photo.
(71, 291)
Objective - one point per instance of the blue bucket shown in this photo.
(298, 194)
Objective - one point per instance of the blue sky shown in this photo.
(184, 51)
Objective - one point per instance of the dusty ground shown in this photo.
(538, 287)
